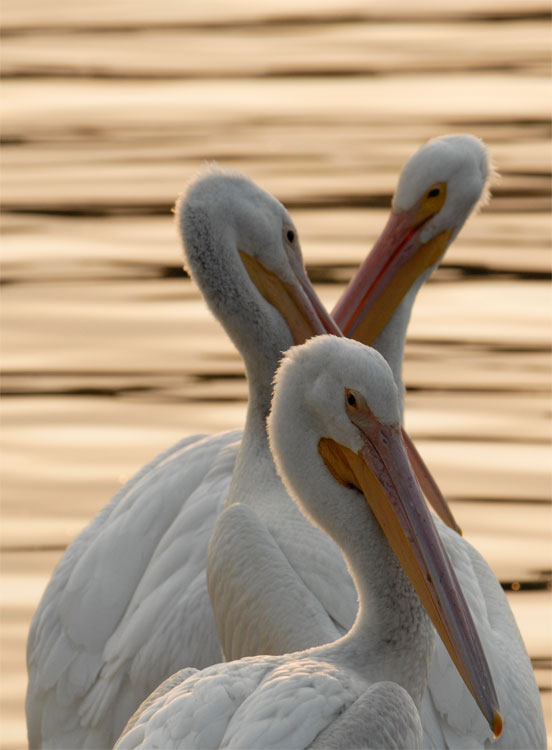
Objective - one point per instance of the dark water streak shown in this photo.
(284, 22)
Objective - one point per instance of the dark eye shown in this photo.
(434, 192)
(351, 400)
(290, 235)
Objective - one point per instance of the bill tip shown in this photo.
(497, 725)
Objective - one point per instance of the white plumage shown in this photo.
(449, 715)
(363, 690)
(131, 659)
(128, 603)
(273, 702)
(460, 164)
(257, 613)
(104, 634)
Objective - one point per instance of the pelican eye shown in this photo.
(351, 398)
(432, 202)
(290, 235)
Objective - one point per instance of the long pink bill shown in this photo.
(394, 263)
(381, 470)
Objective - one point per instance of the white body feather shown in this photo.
(271, 702)
(95, 651)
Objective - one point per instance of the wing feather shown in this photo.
(254, 588)
(84, 630)
(450, 715)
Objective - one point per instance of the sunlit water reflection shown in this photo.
(110, 355)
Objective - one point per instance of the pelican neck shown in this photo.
(255, 471)
(391, 617)
(391, 341)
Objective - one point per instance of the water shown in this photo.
(109, 354)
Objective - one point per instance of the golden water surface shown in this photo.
(109, 353)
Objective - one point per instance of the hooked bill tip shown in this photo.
(497, 725)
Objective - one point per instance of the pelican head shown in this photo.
(438, 188)
(442, 183)
(336, 437)
(243, 250)
(310, 379)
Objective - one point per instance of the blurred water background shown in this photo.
(109, 354)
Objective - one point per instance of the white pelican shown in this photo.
(438, 188)
(128, 603)
(336, 438)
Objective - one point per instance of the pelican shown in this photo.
(128, 603)
(438, 188)
(336, 439)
